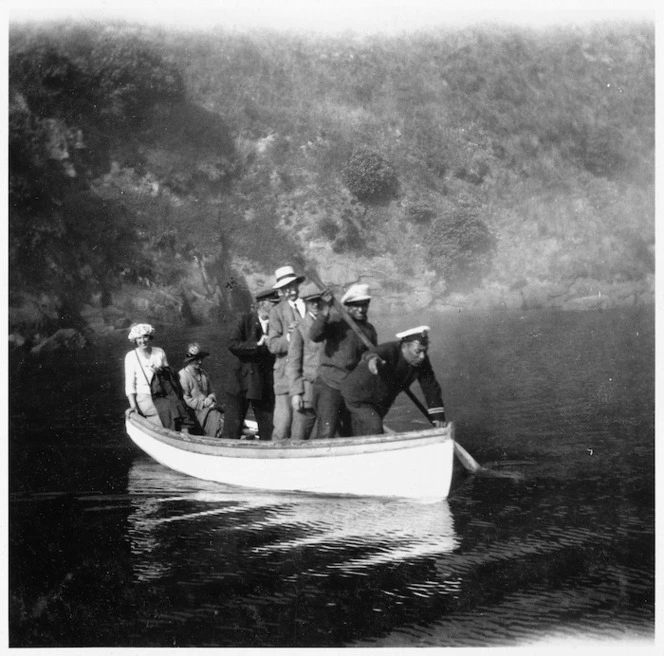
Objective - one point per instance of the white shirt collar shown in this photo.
(298, 304)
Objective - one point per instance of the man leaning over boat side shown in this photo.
(342, 351)
(283, 318)
(302, 366)
(370, 390)
(251, 381)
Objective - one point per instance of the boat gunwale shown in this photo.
(235, 448)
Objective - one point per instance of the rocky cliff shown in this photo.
(165, 177)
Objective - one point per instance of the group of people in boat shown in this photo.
(308, 366)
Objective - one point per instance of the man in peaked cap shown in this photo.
(302, 366)
(342, 351)
(283, 318)
(251, 380)
(370, 390)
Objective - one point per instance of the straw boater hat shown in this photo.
(267, 295)
(194, 353)
(310, 292)
(138, 330)
(420, 334)
(285, 275)
(358, 293)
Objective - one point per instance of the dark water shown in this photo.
(107, 548)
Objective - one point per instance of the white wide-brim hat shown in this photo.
(138, 330)
(285, 275)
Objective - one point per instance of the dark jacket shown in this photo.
(363, 387)
(252, 369)
(168, 398)
(343, 349)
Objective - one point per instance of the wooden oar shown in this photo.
(464, 457)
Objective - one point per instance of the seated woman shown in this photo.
(198, 394)
(151, 386)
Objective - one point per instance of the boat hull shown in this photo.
(416, 464)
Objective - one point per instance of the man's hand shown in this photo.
(326, 301)
(439, 423)
(262, 341)
(296, 402)
(374, 363)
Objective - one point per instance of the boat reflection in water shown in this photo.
(180, 525)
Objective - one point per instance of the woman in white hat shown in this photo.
(140, 366)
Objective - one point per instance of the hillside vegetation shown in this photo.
(167, 174)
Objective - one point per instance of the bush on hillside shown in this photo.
(49, 82)
(345, 236)
(602, 152)
(460, 248)
(117, 81)
(369, 176)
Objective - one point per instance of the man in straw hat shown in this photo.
(302, 366)
(251, 380)
(342, 351)
(283, 318)
(372, 387)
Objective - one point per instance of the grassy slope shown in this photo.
(551, 134)
(547, 136)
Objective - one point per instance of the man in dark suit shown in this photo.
(252, 379)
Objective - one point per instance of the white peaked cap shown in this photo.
(414, 333)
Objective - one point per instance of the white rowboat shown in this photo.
(415, 464)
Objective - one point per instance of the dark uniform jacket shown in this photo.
(362, 387)
(252, 371)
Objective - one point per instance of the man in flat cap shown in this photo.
(283, 318)
(372, 387)
(251, 381)
(342, 351)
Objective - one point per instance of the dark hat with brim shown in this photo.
(194, 352)
(267, 295)
(310, 292)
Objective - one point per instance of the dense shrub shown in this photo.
(50, 83)
(369, 176)
(117, 81)
(343, 232)
(420, 213)
(602, 152)
(460, 248)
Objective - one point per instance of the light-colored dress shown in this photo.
(139, 372)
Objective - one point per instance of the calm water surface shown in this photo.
(108, 548)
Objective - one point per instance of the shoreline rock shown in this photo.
(33, 325)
